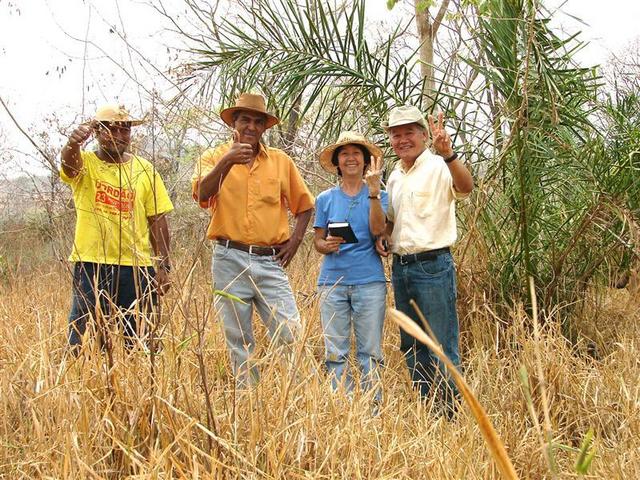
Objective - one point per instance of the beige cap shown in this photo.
(115, 113)
(403, 115)
(254, 103)
(345, 138)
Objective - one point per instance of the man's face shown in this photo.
(250, 126)
(113, 138)
(408, 141)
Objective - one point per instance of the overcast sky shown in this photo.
(42, 52)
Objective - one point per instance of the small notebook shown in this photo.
(344, 230)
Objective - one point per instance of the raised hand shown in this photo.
(81, 133)
(374, 175)
(440, 139)
(239, 153)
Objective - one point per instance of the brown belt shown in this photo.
(251, 249)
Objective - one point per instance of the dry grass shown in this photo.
(148, 417)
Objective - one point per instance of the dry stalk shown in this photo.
(494, 443)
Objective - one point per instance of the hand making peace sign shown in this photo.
(374, 175)
(440, 139)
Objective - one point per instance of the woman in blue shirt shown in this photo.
(352, 284)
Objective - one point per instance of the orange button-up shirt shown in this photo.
(251, 205)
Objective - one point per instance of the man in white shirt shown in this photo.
(421, 227)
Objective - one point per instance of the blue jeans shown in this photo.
(258, 281)
(432, 284)
(123, 292)
(361, 307)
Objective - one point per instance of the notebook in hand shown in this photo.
(344, 230)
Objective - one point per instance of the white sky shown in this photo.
(46, 36)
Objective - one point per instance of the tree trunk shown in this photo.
(427, 30)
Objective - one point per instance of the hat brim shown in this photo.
(227, 115)
(386, 126)
(133, 122)
(327, 153)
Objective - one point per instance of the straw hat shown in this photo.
(252, 102)
(346, 138)
(403, 115)
(115, 114)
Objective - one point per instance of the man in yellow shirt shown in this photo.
(249, 189)
(423, 189)
(120, 203)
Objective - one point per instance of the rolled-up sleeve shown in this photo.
(205, 163)
(298, 195)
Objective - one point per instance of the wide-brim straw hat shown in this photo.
(252, 102)
(113, 113)
(404, 115)
(346, 138)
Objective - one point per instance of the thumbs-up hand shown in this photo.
(239, 153)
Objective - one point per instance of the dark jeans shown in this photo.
(432, 284)
(106, 294)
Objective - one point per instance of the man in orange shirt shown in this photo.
(249, 188)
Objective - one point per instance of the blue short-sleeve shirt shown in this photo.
(355, 263)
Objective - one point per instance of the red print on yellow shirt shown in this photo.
(114, 200)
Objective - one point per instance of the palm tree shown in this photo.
(523, 113)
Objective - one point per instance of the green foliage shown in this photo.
(314, 58)
(550, 210)
(230, 296)
(586, 453)
(557, 194)
(424, 5)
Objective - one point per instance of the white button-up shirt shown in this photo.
(422, 205)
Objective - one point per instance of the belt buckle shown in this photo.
(251, 250)
(403, 259)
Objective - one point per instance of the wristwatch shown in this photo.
(376, 197)
(451, 158)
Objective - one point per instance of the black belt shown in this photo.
(251, 249)
(419, 257)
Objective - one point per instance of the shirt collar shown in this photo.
(421, 158)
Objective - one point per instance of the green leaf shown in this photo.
(586, 454)
(228, 295)
(424, 5)
(185, 343)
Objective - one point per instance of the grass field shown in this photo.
(178, 415)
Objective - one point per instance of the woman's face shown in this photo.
(351, 161)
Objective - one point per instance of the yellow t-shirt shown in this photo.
(112, 204)
(251, 205)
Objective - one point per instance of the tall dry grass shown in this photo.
(178, 415)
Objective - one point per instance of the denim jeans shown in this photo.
(432, 284)
(260, 282)
(123, 292)
(361, 307)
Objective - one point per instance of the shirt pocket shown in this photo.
(421, 203)
(270, 190)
